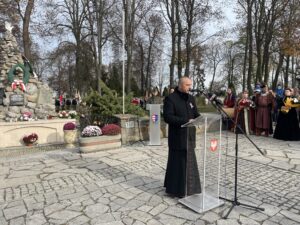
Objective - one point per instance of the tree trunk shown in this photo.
(250, 36)
(245, 62)
(99, 17)
(142, 69)
(26, 35)
(190, 17)
(259, 64)
(78, 68)
(266, 60)
(246, 44)
(259, 39)
(148, 70)
(172, 64)
(293, 72)
(286, 75)
(129, 25)
(173, 34)
(213, 78)
(280, 63)
(269, 29)
(188, 52)
(179, 35)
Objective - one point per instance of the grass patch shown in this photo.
(206, 109)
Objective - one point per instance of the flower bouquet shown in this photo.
(26, 116)
(63, 114)
(91, 131)
(30, 139)
(72, 114)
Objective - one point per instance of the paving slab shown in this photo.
(125, 186)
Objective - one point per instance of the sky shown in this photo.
(228, 22)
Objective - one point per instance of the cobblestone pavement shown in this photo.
(124, 186)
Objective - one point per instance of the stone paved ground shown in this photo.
(124, 186)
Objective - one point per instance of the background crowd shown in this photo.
(266, 112)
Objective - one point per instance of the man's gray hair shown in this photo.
(182, 79)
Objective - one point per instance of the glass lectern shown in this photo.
(203, 163)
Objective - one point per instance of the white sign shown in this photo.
(129, 124)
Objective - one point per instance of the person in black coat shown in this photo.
(182, 176)
(287, 127)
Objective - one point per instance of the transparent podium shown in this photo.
(203, 163)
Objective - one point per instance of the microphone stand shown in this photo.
(235, 202)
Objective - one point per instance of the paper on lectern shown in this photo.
(194, 122)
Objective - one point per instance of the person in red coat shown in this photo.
(242, 113)
(228, 105)
(229, 100)
(264, 105)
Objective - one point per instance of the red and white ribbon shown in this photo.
(18, 84)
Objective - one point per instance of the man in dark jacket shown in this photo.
(182, 176)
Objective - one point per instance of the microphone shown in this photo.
(212, 97)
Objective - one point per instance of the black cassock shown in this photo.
(287, 127)
(182, 175)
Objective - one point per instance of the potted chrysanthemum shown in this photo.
(93, 138)
(70, 134)
(30, 139)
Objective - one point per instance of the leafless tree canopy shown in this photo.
(74, 44)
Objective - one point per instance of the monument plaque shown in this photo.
(45, 96)
(16, 100)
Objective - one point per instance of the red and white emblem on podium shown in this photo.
(213, 145)
(154, 118)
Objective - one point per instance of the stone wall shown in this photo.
(37, 100)
(10, 55)
(48, 131)
(134, 128)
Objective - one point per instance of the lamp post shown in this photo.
(123, 56)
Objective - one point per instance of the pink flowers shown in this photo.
(63, 114)
(69, 126)
(91, 131)
(111, 129)
(26, 116)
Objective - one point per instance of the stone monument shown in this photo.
(20, 90)
(26, 104)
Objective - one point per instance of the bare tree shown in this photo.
(214, 57)
(9, 12)
(233, 63)
(195, 13)
(154, 28)
(26, 21)
(99, 12)
(247, 7)
(169, 7)
(72, 16)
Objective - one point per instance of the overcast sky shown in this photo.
(227, 23)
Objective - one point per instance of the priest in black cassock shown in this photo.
(182, 175)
